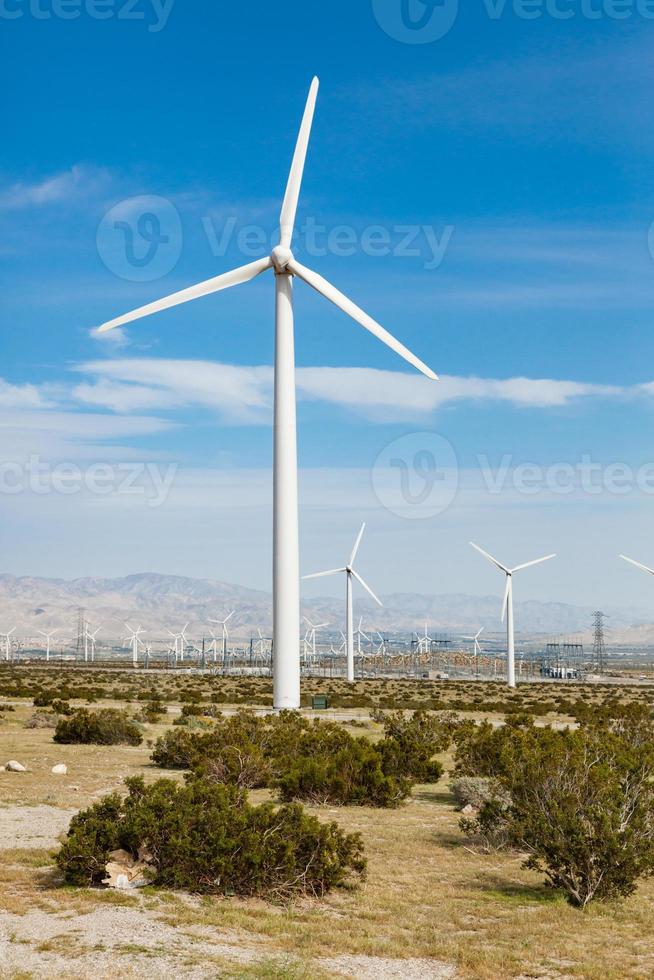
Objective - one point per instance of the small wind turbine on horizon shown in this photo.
(350, 573)
(284, 265)
(475, 639)
(310, 637)
(91, 635)
(134, 639)
(48, 637)
(507, 605)
(424, 641)
(225, 633)
(8, 642)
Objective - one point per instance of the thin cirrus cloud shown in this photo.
(244, 394)
(62, 188)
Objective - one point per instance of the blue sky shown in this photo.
(486, 195)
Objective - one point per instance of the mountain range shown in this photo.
(157, 602)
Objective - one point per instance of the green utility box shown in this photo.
(319, 702)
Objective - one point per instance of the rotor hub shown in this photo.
(281, 256)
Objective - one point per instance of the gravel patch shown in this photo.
(32, 826)
(382, 968)
(129, 942)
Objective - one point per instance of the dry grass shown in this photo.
(426, 894)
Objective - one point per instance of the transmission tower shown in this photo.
(599, 644)
(81, 634)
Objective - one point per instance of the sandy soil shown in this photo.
(32, 826)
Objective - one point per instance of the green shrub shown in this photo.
(205, 837)
(105, 727)
(583, 808)
(350, 774)
(410, 744)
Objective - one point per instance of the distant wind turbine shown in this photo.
(134, 639)
(507, 605)
(8, 642)
(475, 639)
(286, 587)
(350, 573)
(225, 632)
(48, 637)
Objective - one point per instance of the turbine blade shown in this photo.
(490, 558)
(529, 564)
(637, 564)
(292, 195)
(367, 587)
(505, 600)
(234, 278)
(355, 550)
(347, 306)
(333, 571)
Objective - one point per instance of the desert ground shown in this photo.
(431, 907)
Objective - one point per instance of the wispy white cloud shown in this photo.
(20, 396)
(59, 188)
(244, 394)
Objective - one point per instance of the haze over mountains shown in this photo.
(156, 601)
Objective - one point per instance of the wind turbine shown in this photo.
(424, 642)
(286, 586)
(48, 637)
(91, 635)
(507, 605)
(477, 648)
(475, 638)
(350, 573)
(134, 639)
(359, 634)
(8, 642)
(310, 636)
(223, 624)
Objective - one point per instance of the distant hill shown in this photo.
(156, 601)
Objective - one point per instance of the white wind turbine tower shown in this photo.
(350, 573)
(214, 646)
(8, 642)
(507, 605)
(225, 632)
(134, 639)
(286, 588)
(48, 637)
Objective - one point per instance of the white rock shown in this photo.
(60, 769)
(13, 766)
